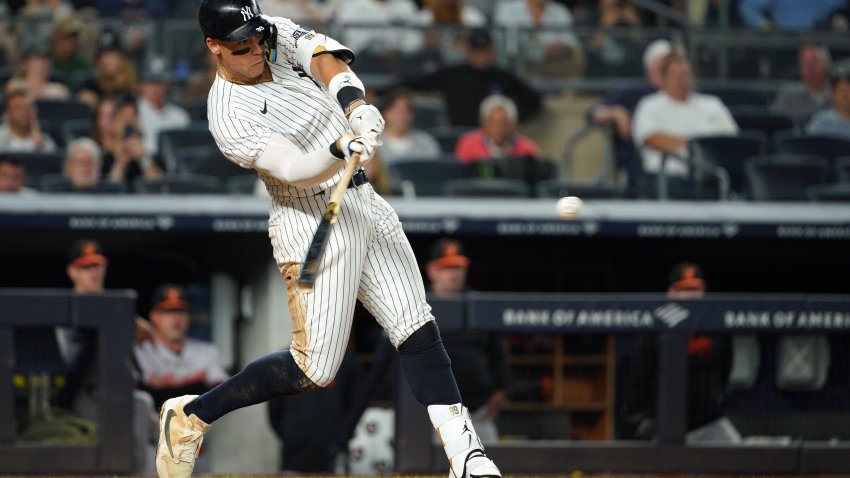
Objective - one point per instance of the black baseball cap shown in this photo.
(170, 297)
(109, 40)
(448, 253)
(86, 252)
(479, 38)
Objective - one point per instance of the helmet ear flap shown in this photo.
(269, 39)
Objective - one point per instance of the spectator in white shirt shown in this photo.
(21, 130)
(835, 121)
(401, 141)
(381, 26)
(548, 49)
(156, 113)
(299, 11)
(666, 120)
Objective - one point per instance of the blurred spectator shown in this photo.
(131, 9)
(34, 75)
(709, 365)
(782, 14)
(498, 136)
(452, 16)
(175, 364)
(115, 73)
(87, 268)
(380, 27)
(82, 170)
(801, 100)
(46, 8)
(126, 159)
(65, 45)
(401, 140)
(21, 130)
(836, 120)
(453, 12)
(666, 120)
(610, 53)
(13, 176)
(465, 86)
(546, 41)
(197, 88)
(299, 11)
(479, 359)
(618, 107)
(156, 113)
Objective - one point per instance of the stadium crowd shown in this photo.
(104, 97)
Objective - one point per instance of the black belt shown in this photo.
(359, 178)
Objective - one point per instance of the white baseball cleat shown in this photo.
(463, 447)
(180, 439)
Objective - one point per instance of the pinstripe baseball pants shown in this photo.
(368, 257)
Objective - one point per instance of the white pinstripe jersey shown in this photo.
(243, 117)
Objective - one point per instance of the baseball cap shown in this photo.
(840, 72)
(109, 40)
(86, 252)
(479, 38)
(156, 70)
(686, 276)
(656, 50)
(170, 297)
(448, 253)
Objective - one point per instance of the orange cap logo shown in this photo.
(451, 249)
(689, 272)
(89, 249)
(172, 294)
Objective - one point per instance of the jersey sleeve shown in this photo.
(240, 141)
(297, 46)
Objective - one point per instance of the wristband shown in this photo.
(347, 89)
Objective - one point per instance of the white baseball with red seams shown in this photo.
(569, 207)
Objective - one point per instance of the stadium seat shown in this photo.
(57, 183)
(447, 136)
(214, 164)
(826, 147)
(487, 187)
(73, 129)
(429, 113)
(525, 168)
(180, 184)
(37, 165)
(842, 169)
(428, 176)
(738, 96)
(838, 192)
(729, 153)
(784, 177)
(557, 188)
(59, 111)
(761, 119)
(242, 185)
(171, 140)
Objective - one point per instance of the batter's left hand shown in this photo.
(366, 119)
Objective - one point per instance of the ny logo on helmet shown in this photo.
(247, 14)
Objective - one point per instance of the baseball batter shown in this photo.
(286, 104)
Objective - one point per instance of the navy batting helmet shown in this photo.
(232, 20)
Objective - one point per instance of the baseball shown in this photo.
(569, 207)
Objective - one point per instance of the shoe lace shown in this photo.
(189, 444)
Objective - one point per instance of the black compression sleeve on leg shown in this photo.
(263, 379)
(428, 368)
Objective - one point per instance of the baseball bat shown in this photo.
(307, 277)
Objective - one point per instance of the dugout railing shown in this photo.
(672, 321)
(110, 316)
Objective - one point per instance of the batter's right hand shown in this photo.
(365, 145)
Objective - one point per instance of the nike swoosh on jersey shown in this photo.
(265, 107)
(171, 414)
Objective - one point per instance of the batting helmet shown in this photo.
(232, 20)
